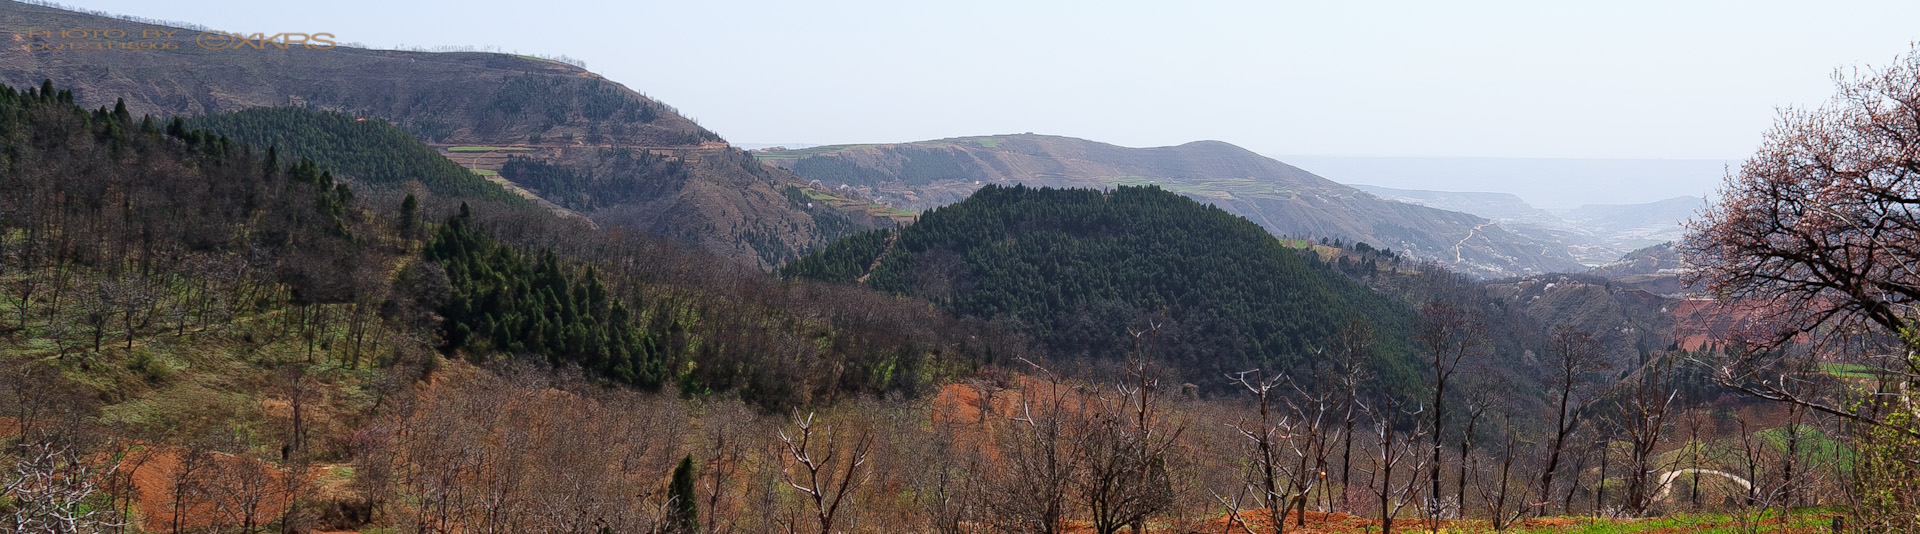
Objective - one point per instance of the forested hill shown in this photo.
(1286, 200)
(371, 152)
(1078, 268)
(179, 245)
(557, 111)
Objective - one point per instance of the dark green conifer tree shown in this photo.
(685, 515)
(409, 217)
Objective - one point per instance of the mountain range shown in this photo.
(1284, 199)
(485, 106)
(578, 143)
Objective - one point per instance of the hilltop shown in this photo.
(1077, 268)
(1286, 200)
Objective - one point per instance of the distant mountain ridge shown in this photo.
(1504, 207)
(1597, 234)
(1282, 198)
(1546, 183)
(542, 109)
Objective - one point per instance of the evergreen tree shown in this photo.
(370, 152)
(685, 515)
(409, 217)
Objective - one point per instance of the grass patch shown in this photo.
(889, 211)
(484, 172)
(1848, 370)
(1715, 523)
(488, 149)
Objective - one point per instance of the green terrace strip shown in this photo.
(489, 149)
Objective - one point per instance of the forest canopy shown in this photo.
(1077, 269)
(369, 151)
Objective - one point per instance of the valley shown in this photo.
(364, 291)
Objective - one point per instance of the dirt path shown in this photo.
(1463, 240)
(1666, 480)
(891, 239)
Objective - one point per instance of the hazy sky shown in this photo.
(1538, 79)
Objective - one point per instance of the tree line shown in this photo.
(372, 153)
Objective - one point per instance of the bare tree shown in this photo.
(827, 467)
(135, 300)
(1264, 440)
(1124, 465)
(96, 311)
(1480, 396)
(1394, 449)
(1046, 435)
(50, 477)
(1496, 485)
(24, 287)
(1644, 417)
(1447, 336)
(1574, 356)
(726, 429)
(1353, 347)
(1308, 444)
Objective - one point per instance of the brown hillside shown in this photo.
(727, 203)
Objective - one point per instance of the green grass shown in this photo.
(889, 211)
(1716, 523)
(1848, 370)
(488, 149)
(206, 372)
(484, 172)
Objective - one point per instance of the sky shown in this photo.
(1558, 80)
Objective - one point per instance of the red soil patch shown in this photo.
(155, 469)
(1702, 322)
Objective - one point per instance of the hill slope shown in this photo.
(1284, 199)
(554, 110)
(1078, 268)
(372, 153)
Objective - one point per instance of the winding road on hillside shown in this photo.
(1463, 240)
